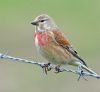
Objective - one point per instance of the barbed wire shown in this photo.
(78, 71)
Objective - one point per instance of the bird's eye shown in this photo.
(42, 20)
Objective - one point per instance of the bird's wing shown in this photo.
(62, 41)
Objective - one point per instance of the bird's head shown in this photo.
(43, 23)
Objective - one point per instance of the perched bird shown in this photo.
(53, 46)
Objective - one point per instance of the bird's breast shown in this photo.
(50, 50)
(41, 39)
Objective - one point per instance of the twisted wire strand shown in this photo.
(84, 73)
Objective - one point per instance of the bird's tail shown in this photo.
(85, 68)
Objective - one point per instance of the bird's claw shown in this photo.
(57, 69)
(46, 68)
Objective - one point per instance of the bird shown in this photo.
(54, 46)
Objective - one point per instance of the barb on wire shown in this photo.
(51, 66)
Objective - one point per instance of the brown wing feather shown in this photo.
(62, 41)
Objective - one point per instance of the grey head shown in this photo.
(43, 23)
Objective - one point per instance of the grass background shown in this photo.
(80, 22)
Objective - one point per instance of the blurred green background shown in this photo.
(80, 22)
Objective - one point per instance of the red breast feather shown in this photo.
(41, 39)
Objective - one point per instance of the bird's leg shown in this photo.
(46, 67)
(81, 74)
(57, 69)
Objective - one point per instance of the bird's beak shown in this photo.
(35, 23)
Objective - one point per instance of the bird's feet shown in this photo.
(46, 68)
(57, 69)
